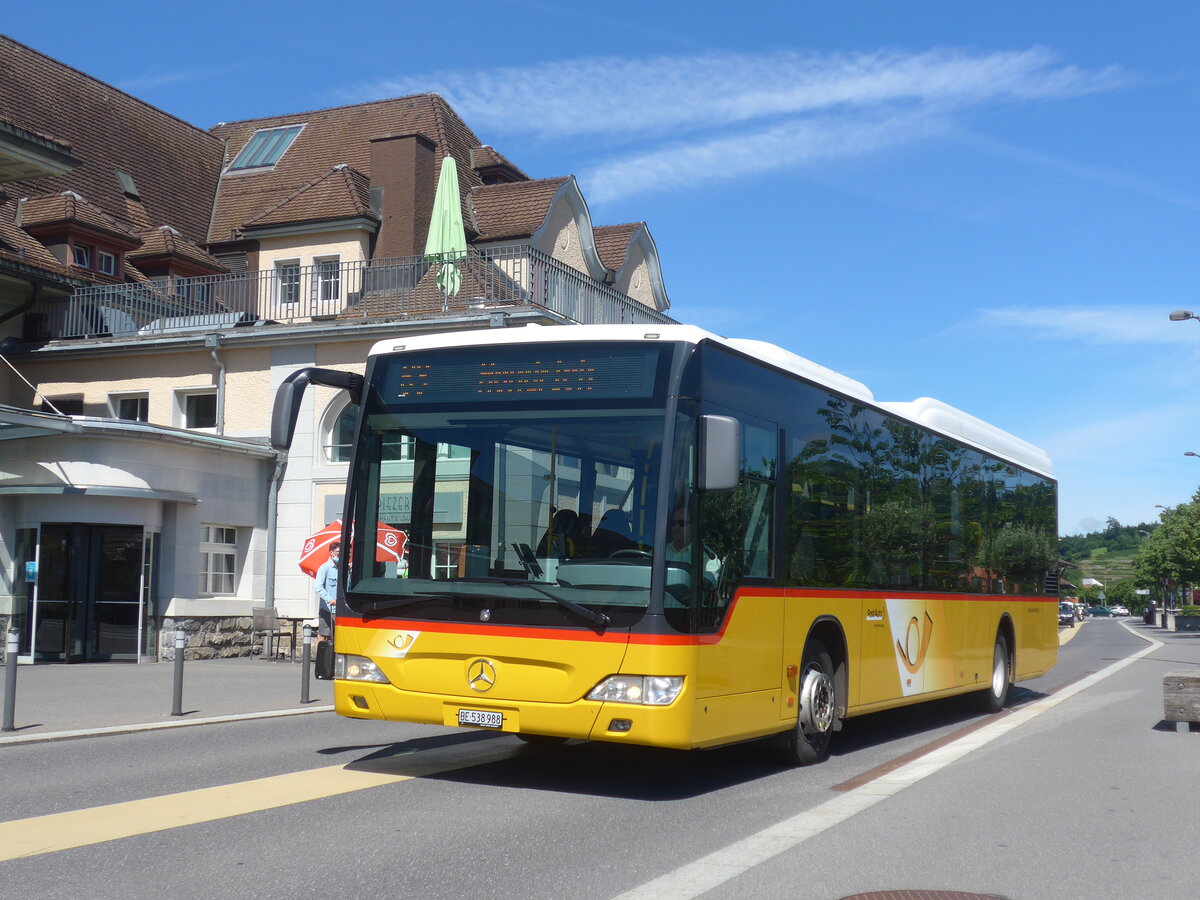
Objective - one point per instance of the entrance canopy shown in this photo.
(25, 423)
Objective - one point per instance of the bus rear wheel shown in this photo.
(809, 741)
(996, 695)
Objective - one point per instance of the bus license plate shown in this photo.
(480, 718)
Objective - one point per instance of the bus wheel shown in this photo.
(541, 740)
(996, 694)
(809, 741)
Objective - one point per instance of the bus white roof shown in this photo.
(925, 411)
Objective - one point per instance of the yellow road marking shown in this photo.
(63, 831)
(81, 827)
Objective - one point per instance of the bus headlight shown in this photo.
(349, 667)
(647, 690)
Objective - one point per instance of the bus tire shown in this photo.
(541, 740)
(996, 695)
(809, 741)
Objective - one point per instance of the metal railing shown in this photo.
(495, 278)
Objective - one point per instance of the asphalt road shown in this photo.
(1083, 799)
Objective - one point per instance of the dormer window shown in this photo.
(265, 148)
(106, 263)
(82, 256)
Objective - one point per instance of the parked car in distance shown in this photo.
(1099, 611)
(1066, 614)
(1120, 609)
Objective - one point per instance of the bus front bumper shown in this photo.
(659, 726)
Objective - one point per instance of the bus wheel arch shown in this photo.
(821, 684)
(829, 632)
(1003, 665)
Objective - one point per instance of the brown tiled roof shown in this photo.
(18, 246)
(513, 210)
(166, 241)
(63, 146)
(340, 193)
(612, 242)
(487, 157)
(68, 206)
(134, 274)
(332, 136)
(174, 164)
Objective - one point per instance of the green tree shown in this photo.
(1171, 551)
(1123, 592)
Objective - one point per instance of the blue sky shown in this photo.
(992, 204)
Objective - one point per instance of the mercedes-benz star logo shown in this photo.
(481, 676)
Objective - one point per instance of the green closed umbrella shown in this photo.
(447, 241)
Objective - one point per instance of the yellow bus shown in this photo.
(658, 536)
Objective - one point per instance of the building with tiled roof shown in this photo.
(158, 281)
(172, 166)
(164, 249)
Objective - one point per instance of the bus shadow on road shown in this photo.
(498, 759)
(624, 772)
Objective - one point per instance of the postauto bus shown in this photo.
(659, 536)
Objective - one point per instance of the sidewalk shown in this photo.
(57, 700)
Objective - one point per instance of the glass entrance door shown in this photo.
(89, 593)
(114, 593)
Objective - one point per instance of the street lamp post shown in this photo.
(1169, 592)
(1182, 315)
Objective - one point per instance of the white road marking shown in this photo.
(708, 872)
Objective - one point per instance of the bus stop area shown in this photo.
(59, 701)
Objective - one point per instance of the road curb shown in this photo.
(44, 737)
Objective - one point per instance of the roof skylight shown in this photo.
(265, 148)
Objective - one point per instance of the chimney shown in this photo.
(402, 168)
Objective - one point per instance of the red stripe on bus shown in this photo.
(677, 640)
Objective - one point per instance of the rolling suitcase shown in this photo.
(323, 669)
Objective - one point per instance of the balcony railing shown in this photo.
(492, 279)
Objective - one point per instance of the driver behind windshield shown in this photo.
(679, 547)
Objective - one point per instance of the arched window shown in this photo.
(339, 437)
(339, 440)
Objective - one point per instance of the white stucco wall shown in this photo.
(182, 486)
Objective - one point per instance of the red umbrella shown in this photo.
(389, 546)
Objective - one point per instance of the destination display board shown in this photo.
(600, 371)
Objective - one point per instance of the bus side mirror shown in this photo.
(720, 453)
(287, 399)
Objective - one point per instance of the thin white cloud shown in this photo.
(1101, 325)
(1099, 174)
(623, 97)
(786, 146)
(148, 82)
(1101, 439)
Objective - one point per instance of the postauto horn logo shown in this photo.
(912, 630)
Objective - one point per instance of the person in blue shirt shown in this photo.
(327, 591)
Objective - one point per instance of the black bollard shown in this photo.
(177, 701)
(10, 680)
(304, 658)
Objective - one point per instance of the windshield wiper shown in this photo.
(392, 603)
(381, 607)
(599, 619)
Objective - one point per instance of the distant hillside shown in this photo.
(1104, 555)
(1106, 566)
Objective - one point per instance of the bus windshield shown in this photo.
(514, 484)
